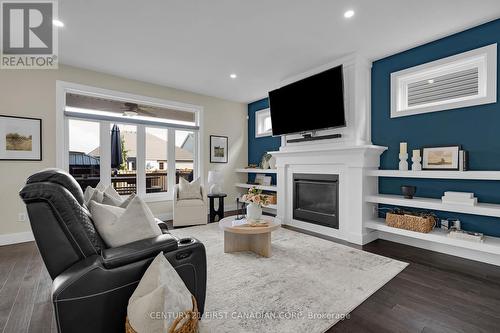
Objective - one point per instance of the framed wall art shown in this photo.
(218, 149)
(440, 158)
(20, 138)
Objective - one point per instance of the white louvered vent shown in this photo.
(462, 80)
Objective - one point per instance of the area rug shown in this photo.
(308, 284)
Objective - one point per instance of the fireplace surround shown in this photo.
(346, 164)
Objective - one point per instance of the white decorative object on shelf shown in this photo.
(403, 163)
(416, 159)
(459, 195)
(459, 198)
(215, 182)
(272, 162)
(403, 148)
(467, 235)
(403, 156)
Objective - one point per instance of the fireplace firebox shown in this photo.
(316, 199)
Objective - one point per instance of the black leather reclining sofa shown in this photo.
(92, 283)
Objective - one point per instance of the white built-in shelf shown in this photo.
(271, 188)
(270, 206)
(256, 170)
(490, 244)
(470, 175)
(485, 209)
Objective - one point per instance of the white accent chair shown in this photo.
(190, 211)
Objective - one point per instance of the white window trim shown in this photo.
(485, 58)
(62, 134)
(259, 114)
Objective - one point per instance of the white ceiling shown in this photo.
(195, 44)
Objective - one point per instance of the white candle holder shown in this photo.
(416, 165)
(403, 162)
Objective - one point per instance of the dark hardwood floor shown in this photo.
(435, 293)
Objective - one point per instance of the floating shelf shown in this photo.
(256, 170)
(271, 206)
(260, 187)
(470, 175)
(484, 209)
(490, 244)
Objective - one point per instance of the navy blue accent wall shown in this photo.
(259, 146)
(476, 128)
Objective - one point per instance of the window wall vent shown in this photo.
(462, 80)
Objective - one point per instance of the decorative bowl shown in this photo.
(408, 191)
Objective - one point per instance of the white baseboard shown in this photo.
(488, 258)
(19, 237)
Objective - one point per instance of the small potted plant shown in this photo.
(255, 200)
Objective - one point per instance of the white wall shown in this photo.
(32, 93)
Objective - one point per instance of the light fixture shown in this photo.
(431, 81)
(58, 23)
(349, 13)
(233, 76)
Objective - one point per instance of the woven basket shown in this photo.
(186, 322)
(423, 224)
(272, 198)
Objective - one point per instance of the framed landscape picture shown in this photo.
(218, 149)
(20, 138)
(440, 158)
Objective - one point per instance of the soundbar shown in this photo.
(309, 137)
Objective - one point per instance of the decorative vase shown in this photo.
(403, 163)
(254, 211)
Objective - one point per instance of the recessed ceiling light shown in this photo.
(58, 23)
(233, 76)
(349, 13)
(431, 81)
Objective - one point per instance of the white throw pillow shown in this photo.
(189, 190)
(110, 191)
(102, 194)
(119, 226)
(92, 194)
(108, 199)
(160, 290)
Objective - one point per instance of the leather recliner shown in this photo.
(92, 283)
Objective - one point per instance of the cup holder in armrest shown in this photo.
(185, 241)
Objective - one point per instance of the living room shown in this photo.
(249, 166)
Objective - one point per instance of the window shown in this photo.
(124, 172)
(156, 160)
(263, 125)
(184, 152)
(83, 155)
(136, 148)
(462, 80)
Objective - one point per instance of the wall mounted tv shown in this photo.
(313, 103)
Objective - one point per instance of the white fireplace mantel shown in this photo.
(350, 163)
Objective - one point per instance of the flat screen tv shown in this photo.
(313, 103)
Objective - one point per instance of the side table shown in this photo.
(220, 210)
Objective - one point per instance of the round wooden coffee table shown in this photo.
(247, 238)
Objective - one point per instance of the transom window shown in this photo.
(462, 80)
